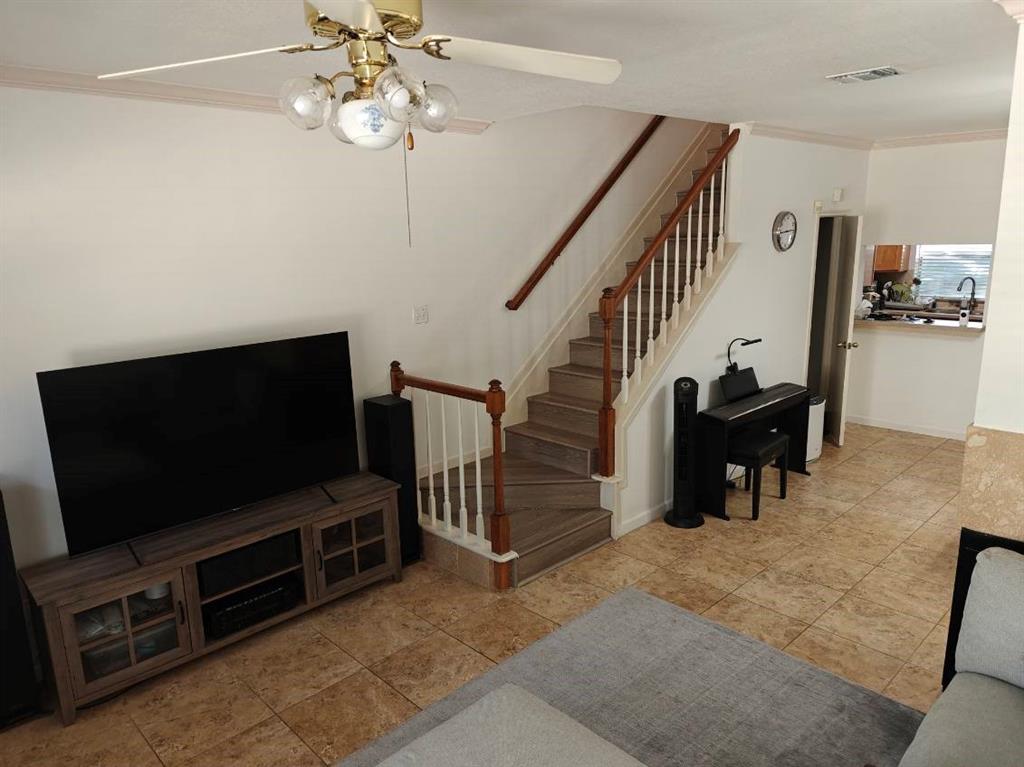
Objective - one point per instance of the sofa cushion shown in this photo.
(992, 634)
(976, 722)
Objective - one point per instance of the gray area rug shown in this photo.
(531, 733)
(671, 688)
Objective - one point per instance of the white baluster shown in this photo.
(698, 268)
(637, 367)
(650, 319)
(688, 289)
(431, 500)
(664, 296)
(710, 259)
(721, 216)
(463, 512)
(446, 505)
(480, 526)
(625, 348)
(675, 284)
(419, 495)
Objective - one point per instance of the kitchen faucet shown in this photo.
(973, 303)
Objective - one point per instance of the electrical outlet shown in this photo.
(837, 194)
(819, 206)
(421, 314)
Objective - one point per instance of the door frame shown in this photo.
(857, 213)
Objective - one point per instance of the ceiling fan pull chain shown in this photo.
(406, 147)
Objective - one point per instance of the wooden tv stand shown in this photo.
(125, 613)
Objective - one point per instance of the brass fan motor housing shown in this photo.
(402, 18)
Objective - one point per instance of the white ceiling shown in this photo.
(722, 60)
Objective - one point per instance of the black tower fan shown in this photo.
(684, 421)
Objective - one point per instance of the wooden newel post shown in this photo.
(606, 417)
(397, 384)
(501, 539)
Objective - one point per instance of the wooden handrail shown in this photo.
(630, 280)
(494, 403)
(577, 223)
(611, 298)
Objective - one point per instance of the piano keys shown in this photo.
(784, 406)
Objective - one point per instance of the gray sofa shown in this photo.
(978, 721)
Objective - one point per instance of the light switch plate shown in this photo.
(421, 314)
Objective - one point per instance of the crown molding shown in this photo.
(792, 134)
(1015, 9)
(941, 138)
(148, 90)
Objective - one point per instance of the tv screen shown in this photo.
(146, 444)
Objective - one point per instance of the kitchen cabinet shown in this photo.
(892, 258)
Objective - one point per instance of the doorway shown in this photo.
(836, 289)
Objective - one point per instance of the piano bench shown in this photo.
(755, 450)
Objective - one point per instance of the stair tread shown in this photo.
(553, 434)
(565, 400)
(583, 371)
(553, 525)
(517, 471)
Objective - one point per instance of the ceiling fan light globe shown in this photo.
(334, 124)
(398, 93)
(363, 121)
(306, 102)
(439, 108)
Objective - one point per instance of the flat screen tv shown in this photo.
(146, 444)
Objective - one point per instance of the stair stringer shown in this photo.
(654, 364)
(532, 376)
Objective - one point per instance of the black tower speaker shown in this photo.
(19, 687)
(390, 452)
(684, 442)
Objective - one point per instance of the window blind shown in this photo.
(941, 267)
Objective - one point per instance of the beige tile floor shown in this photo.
(853, 572)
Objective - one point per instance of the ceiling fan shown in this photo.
(386, 98)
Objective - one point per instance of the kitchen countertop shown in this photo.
(945, 327)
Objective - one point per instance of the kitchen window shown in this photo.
(940, 268)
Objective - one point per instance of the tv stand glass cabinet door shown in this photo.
(355, 546)
(120, 635)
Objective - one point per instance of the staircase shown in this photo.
(551, 498)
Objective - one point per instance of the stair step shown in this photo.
(702, 241)
(560, 540)
(581, 380)
(567, 450)
(597, 329)
(561, 411)
(659, 277)
(682, 220)
(695, 174)
(529, 484)
(706, 194)
(589, 352)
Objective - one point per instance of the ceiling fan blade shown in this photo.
(134, 72)
(572, 66)
(357, 15)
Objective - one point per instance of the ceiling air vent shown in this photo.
(864, 75)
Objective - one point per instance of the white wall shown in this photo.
(925, 194)
(134, 228)
(765, 294)
(935, 193)
(914, 380)
(1000, 403)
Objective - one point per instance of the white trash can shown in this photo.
(815, 427)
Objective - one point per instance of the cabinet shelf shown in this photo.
(93, 644)
(247, 584)
(350, 549)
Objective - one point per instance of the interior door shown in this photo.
(847, 295)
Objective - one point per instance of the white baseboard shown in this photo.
(640, 518)
(915, 428)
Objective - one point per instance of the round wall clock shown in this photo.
(784, 231)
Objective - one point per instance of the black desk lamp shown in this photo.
(737, 384)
